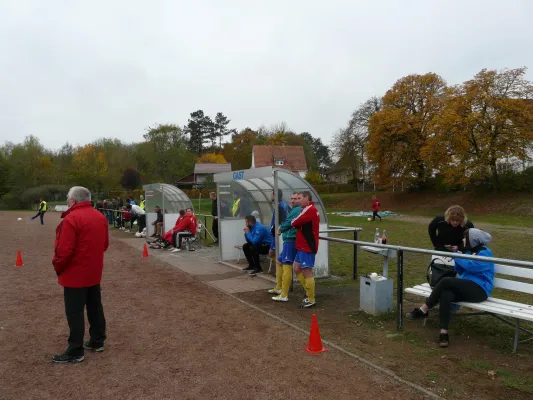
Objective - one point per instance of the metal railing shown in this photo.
(399, 273)
(344, 229)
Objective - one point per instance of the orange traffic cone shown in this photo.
(315, 342)
(19, 262)
(145, 251)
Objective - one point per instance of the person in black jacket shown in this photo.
(214, 213)
(447, 231)
(158, 223)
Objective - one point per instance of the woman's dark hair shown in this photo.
(182, 212)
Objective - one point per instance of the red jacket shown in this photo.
(307, 227)
(184, 223)
(81, 240)
(375, 205)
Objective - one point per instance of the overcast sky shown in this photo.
(80, 70)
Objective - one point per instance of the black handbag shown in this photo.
(437, 270)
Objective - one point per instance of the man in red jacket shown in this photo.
(186, 228)
(307, 227)
(81, 240)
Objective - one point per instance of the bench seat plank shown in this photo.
(513, 310)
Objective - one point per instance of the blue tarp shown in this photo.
(364, 214)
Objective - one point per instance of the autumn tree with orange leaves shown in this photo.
(485, 122)
(400, 130)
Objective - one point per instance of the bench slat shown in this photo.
(423, 290)
(513, 285)
(485, 307)
(513, 271)
(488, 306)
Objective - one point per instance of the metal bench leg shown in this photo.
(516, 334)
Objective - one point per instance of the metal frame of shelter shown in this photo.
(170, 198)
(255, 187)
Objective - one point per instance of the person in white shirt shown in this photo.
(140, 214)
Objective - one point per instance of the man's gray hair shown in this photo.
(79, 193)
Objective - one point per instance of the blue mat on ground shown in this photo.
(363, 214)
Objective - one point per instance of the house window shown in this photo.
(279, 162)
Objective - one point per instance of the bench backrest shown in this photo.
(514, 272)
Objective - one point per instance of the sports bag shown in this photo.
(440, 267)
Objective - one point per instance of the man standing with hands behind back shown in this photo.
(81, 240)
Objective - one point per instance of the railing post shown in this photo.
(399, 291)
(355, 236)
(205, 226)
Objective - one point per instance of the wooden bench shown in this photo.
(506, 311)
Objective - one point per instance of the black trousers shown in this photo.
(141, 222)
(214, 228)
(252, 252)
(75, 301)
(40, 214)
(178, 236)
(450, 290)
(375, 214)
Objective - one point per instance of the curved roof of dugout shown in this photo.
(170, 198)
(257, 184)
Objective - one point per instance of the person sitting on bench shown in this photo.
(158, 223)
(258, 241)
(474, 282)
(185, 229)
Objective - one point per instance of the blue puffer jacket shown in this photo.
(258, 234)
(480, 272)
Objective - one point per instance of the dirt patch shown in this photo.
(169, 336)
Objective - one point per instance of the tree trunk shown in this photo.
(495, 176)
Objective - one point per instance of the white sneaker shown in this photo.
(280, 298)
(274, 291)
(175, 250)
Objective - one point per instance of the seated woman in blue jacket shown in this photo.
(473, 283)
(258, 241)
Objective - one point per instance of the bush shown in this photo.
(11, 201)
(46, 192)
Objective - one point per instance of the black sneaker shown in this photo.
(255, 272)
(93, 346)
(416, 314)
(248, 268)
(66, 358)
(307, 304)
(444, 340)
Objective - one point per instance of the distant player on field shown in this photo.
(375, 208)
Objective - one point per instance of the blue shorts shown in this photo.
(305, 259)
(288, 253)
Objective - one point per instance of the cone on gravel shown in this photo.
(19, 262)
(315, 342)
(145, 251)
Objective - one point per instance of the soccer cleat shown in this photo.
(255, 272)
(93, 347)
(307, 304)
(248, 268)
(175, 250)
(274, 291)
(444, 340)
(280, 298)
(66, 358)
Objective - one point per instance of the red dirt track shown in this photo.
(169, 336)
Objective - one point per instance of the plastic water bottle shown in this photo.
(384, 238)
(377, 237)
